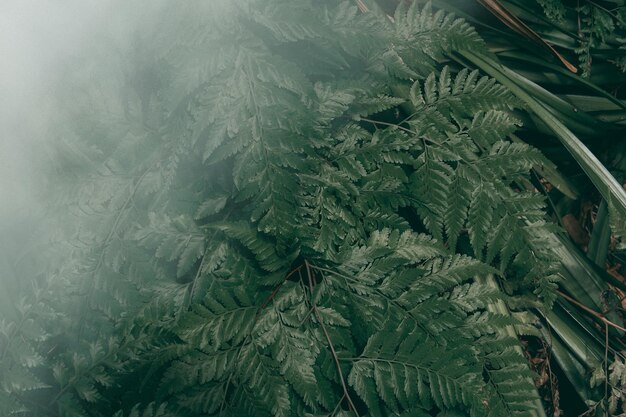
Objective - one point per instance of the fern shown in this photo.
(599, 28)
(261, 230)
(148, 411)
(405, 370)
(19, 360)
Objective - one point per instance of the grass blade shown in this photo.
(606, 184)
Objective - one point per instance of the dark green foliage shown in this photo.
(597, 33)
(554, 9)
(287, 216)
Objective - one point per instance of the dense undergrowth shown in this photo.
(293, 208)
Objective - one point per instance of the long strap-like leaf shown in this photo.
(606, 184)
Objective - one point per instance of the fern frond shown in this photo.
(150, 410)
(428, 35)
(284, 208)
(263, 249)
(409, 373)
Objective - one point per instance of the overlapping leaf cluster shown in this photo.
(598, 35)
(287, 208)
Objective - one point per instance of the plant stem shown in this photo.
(330, 344)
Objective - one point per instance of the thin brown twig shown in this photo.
(592, 312)
(554, 388)
(517, 25)
(330, 344)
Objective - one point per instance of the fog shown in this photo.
(37, 38)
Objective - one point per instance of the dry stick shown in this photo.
(336, 358)
(330, 345)
(592, 312)
(554, 390)
(516, 24)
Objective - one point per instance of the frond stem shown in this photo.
(330, 344)
(590, 311)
